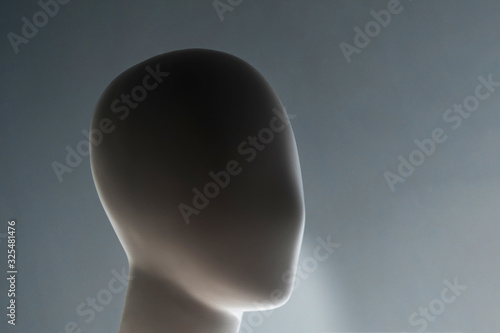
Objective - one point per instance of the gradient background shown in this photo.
(352, 122)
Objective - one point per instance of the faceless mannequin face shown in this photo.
(198, 172)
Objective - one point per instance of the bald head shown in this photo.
(198, 158)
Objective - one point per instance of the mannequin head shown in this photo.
(200, 178)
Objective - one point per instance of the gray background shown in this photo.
(352, 122)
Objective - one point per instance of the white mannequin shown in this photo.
(198, 274)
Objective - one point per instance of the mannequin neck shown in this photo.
(157, 306)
